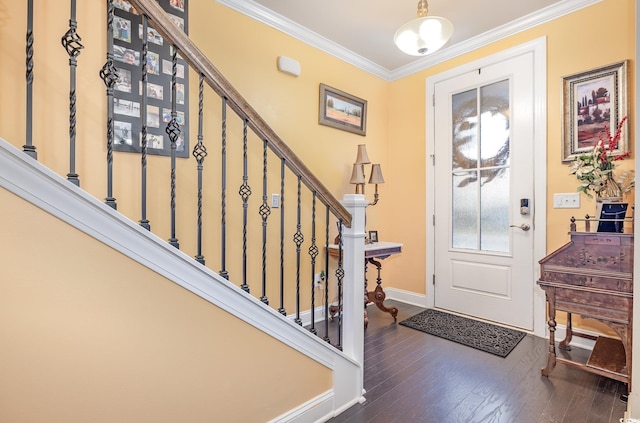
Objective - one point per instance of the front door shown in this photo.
(483, 219)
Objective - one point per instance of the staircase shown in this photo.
(112, 307)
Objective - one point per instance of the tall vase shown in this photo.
(611, 191)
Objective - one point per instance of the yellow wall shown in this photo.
(248, 60)
(92, 336)
(397, 114)
(247, 57)
(571, 48)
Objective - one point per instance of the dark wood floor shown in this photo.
(412, 377)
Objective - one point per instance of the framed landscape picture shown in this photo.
(592, 101)
(342, 111)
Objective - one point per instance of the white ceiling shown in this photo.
(361, 31)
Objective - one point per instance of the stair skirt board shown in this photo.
(37, 184)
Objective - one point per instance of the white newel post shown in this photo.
(353, 285)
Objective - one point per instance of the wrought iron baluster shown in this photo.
(265, 211)
(298, 239)
(29, 148)
(110, 76)
(71, 42)
(313, 252)
(245, 193)
(200, 152)
(326, 276)
(143, 158)
(340, 277)
(173, 130)
(223, 195)
(282, 309)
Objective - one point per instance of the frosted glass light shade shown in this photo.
(423, 35)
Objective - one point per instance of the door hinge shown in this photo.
(434, 279)
(433, 100)
(433, 220)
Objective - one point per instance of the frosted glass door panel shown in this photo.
(494, 124)
(465, 211)
(480, 169)
(465, 130)
(494, 211)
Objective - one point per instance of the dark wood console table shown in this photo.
(592, 276)
(380, 251)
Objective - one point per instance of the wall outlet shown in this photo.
(317, 282)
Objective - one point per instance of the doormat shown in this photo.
(482, 336)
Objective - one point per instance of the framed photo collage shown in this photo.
(127, 53)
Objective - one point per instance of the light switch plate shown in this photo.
(566, 200)
(275, 200)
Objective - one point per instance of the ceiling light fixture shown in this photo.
(425, 34)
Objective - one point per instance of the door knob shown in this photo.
(524, 227)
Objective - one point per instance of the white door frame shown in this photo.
(539, 209)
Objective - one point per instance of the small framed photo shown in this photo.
(593, 101)
(342, 111)
(373, 236)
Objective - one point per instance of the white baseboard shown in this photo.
(319, 409)
(407, 297)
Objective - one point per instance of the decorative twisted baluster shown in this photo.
(223, 195)
(71, 42)
(173, 130)
(29, 148)
(110, 76)
(298, 239)
(282, 309)
(339, 277)
(144, 222)
(200, 152)
(313, 253)
(326, 276)
(265, 211)
(245, 193)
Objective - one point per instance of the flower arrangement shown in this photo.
(594, 170)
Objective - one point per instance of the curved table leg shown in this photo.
(564, 344)
(377, 296)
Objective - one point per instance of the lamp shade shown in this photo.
(376, 175)
(357, 175)
(423, 35)
(362, 157)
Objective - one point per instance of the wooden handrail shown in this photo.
(201, 64)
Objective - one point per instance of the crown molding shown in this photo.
(287, 26)
(268, 17)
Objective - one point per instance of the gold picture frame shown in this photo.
(341, 110)
(592, 101)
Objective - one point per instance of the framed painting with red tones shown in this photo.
(592, 102)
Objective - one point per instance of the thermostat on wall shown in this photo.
(288, 65)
